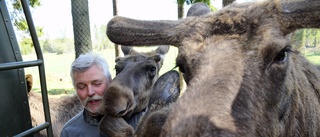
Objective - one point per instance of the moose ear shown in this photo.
(166, 89)
(126, 49)
(29, 81)
(198, 9)
(163, 49)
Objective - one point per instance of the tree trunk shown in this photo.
(180, 10)
(81, 26)
(226, 2)
(115, 13)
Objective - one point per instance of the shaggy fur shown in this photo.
(243, 76)
(129, 91)
(61, 109)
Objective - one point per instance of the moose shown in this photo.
(164, 93)
(244, 78)
(61, 109)
(130, 90)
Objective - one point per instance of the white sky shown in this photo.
(55, 15)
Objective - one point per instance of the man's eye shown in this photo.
(97, 84)
(81, 86)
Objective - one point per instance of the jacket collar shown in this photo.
(92, 120)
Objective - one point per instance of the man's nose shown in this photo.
(91, 91)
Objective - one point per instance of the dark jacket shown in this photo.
(85, 125)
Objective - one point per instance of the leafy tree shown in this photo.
(58, 45)
(81, 26)
(305, 38)
(18, 18)
(19, 21)
(47, 46)
(26, 45)
(33, 3)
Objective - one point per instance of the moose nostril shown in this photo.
(121, 113)
(124, 111)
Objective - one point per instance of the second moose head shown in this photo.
(129, 91)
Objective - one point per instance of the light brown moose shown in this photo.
(243, 76)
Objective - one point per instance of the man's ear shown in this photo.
(109, 80)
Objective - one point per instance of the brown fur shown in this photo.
(129, 91)
(115, 127)
(29, 81)
(243, 77)
(61, 109)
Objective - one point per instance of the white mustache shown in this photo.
(95, 97)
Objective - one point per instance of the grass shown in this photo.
(314, 58)
(57, 68)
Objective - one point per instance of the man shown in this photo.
(90, 77)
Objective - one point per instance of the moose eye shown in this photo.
(181, 63)
(181, 67)
(152, 71)
(282, 55)
(152, 68)
(117, 59)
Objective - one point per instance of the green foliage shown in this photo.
(26, 46)
(65, 45)
(18, 6)
(18, 17)
(56, 91)
(100, 40)
(59, 45)
(195, 1)
(39, 31)
(60, 91)
(180, 2)
(21, 24)
(297, 38)
(303, 37)
(212, 8)
(26, 43)
(47, 47)
(314, 59)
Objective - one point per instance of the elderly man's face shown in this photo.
(90, 86)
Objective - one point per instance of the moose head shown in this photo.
(244, 77)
